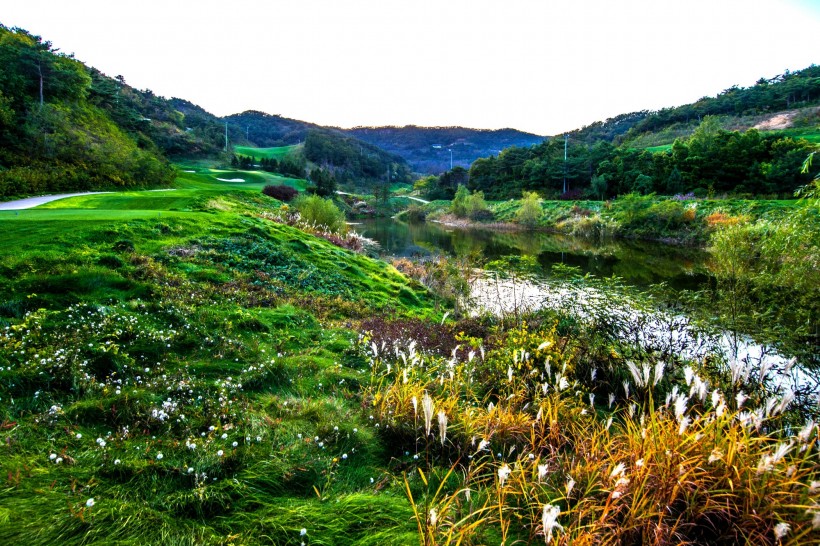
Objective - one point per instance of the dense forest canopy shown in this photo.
(62, 127)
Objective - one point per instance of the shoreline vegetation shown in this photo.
(679, 220)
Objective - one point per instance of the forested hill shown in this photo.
(269, 130)
(736, 107)
(427, 149)
(64, 126)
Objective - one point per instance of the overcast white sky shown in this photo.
(537, 65)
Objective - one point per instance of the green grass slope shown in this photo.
(174, 370)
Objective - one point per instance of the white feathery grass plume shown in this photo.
(611, 399)
(618, 470)
(542, 471)
(549, 521)
(427, 408)
(442, 426)
(805, 432)
(433, 517)
(593, 373)
(781, 530)
(415, 402)
(504, 473)
(680, 407)
(815, 520)
(645, 377)
(688, 374)
(635, 372)
(740, 371)
(509, 374)
(784, 403)
(716, 398)
(740, 398)
(626, 389)
(570, 485)
(659, 369)
(684, 424)
(592, 399)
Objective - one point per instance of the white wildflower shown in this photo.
(781, 530)
(90, 502)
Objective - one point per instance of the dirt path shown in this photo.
(31, 202)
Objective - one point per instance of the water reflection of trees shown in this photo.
(639, 263)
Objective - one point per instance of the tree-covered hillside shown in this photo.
(352, 160)
(785, 91)
(65, 127)
(710, 161)
(706, 147)
(267, 130)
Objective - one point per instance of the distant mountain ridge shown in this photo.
(427, 149)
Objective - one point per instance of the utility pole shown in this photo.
(565, 162)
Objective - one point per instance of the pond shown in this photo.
(638, 263)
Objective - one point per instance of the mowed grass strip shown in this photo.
(278, 152)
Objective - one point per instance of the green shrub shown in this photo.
(459, 204)
(321, 212)
(594, 227)
(415, 214)
(529, 214)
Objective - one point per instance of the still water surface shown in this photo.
(638, 263)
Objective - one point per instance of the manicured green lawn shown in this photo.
(277, 153)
